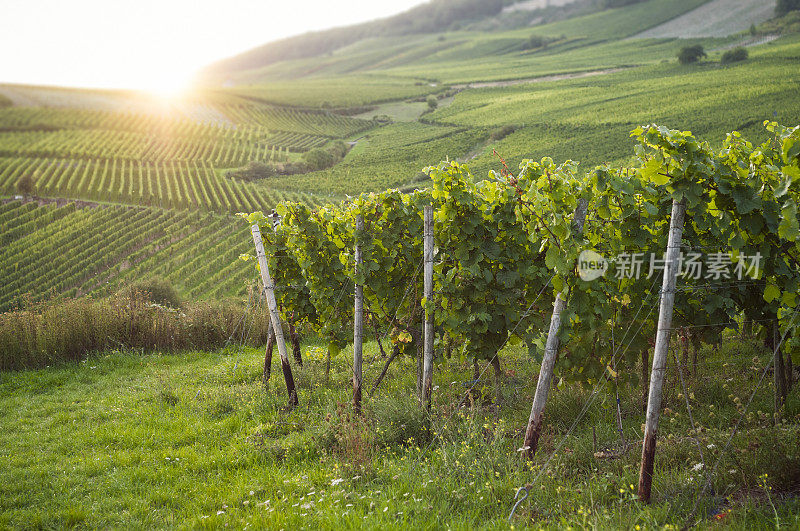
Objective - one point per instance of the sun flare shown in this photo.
(167, 89)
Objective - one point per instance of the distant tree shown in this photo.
(784, 6)
(753, 30)
(155, 289)
(535, 41)
(26, 184)
(691, 54)
(432, 102)
(338, 149)
(501, 132)
(318, 159)
(737, 54)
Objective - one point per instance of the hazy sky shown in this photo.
(153, 45)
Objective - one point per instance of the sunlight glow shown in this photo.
(166, 89)
(153, 45)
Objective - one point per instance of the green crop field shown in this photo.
(196, 252)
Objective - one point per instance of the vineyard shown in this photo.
(505, 261)
(170, 160)
(497, 300)
(175, 185)
(196, 252)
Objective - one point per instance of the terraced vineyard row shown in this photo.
(240, 120)
(298, 121)
(98, 144)
(296, 141)
(179, 185)
(67, 134)
(197, 252)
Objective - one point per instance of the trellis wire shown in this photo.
(735, 430)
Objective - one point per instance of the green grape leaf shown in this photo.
(771, 292)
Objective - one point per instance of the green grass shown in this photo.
(194, 440)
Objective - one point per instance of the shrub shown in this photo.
(25, 184)
(432, 102)
(737, 54)
(535, 41)
(318, 159)
(338, 149)
(619, 3)
(691, 54)
(154, 289)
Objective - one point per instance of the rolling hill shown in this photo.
(457, 79)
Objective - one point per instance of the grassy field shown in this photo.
(194, 440)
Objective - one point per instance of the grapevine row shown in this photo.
(505, 241)
(172, 184)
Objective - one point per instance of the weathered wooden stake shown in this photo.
(358, 323)
(671, 270)
(295, 338)
(395, 353)
(275, 317)
(543, 384)
(427, 364)
(534, 428)
(268, 355)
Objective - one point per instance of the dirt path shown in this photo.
(541, 79)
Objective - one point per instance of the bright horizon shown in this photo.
(153, 46)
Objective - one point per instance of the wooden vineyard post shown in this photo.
(427, 364)
(268, 354)
(671, 270)
(534, 428)
(543, 384)
(275, 317)
(358, 323)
